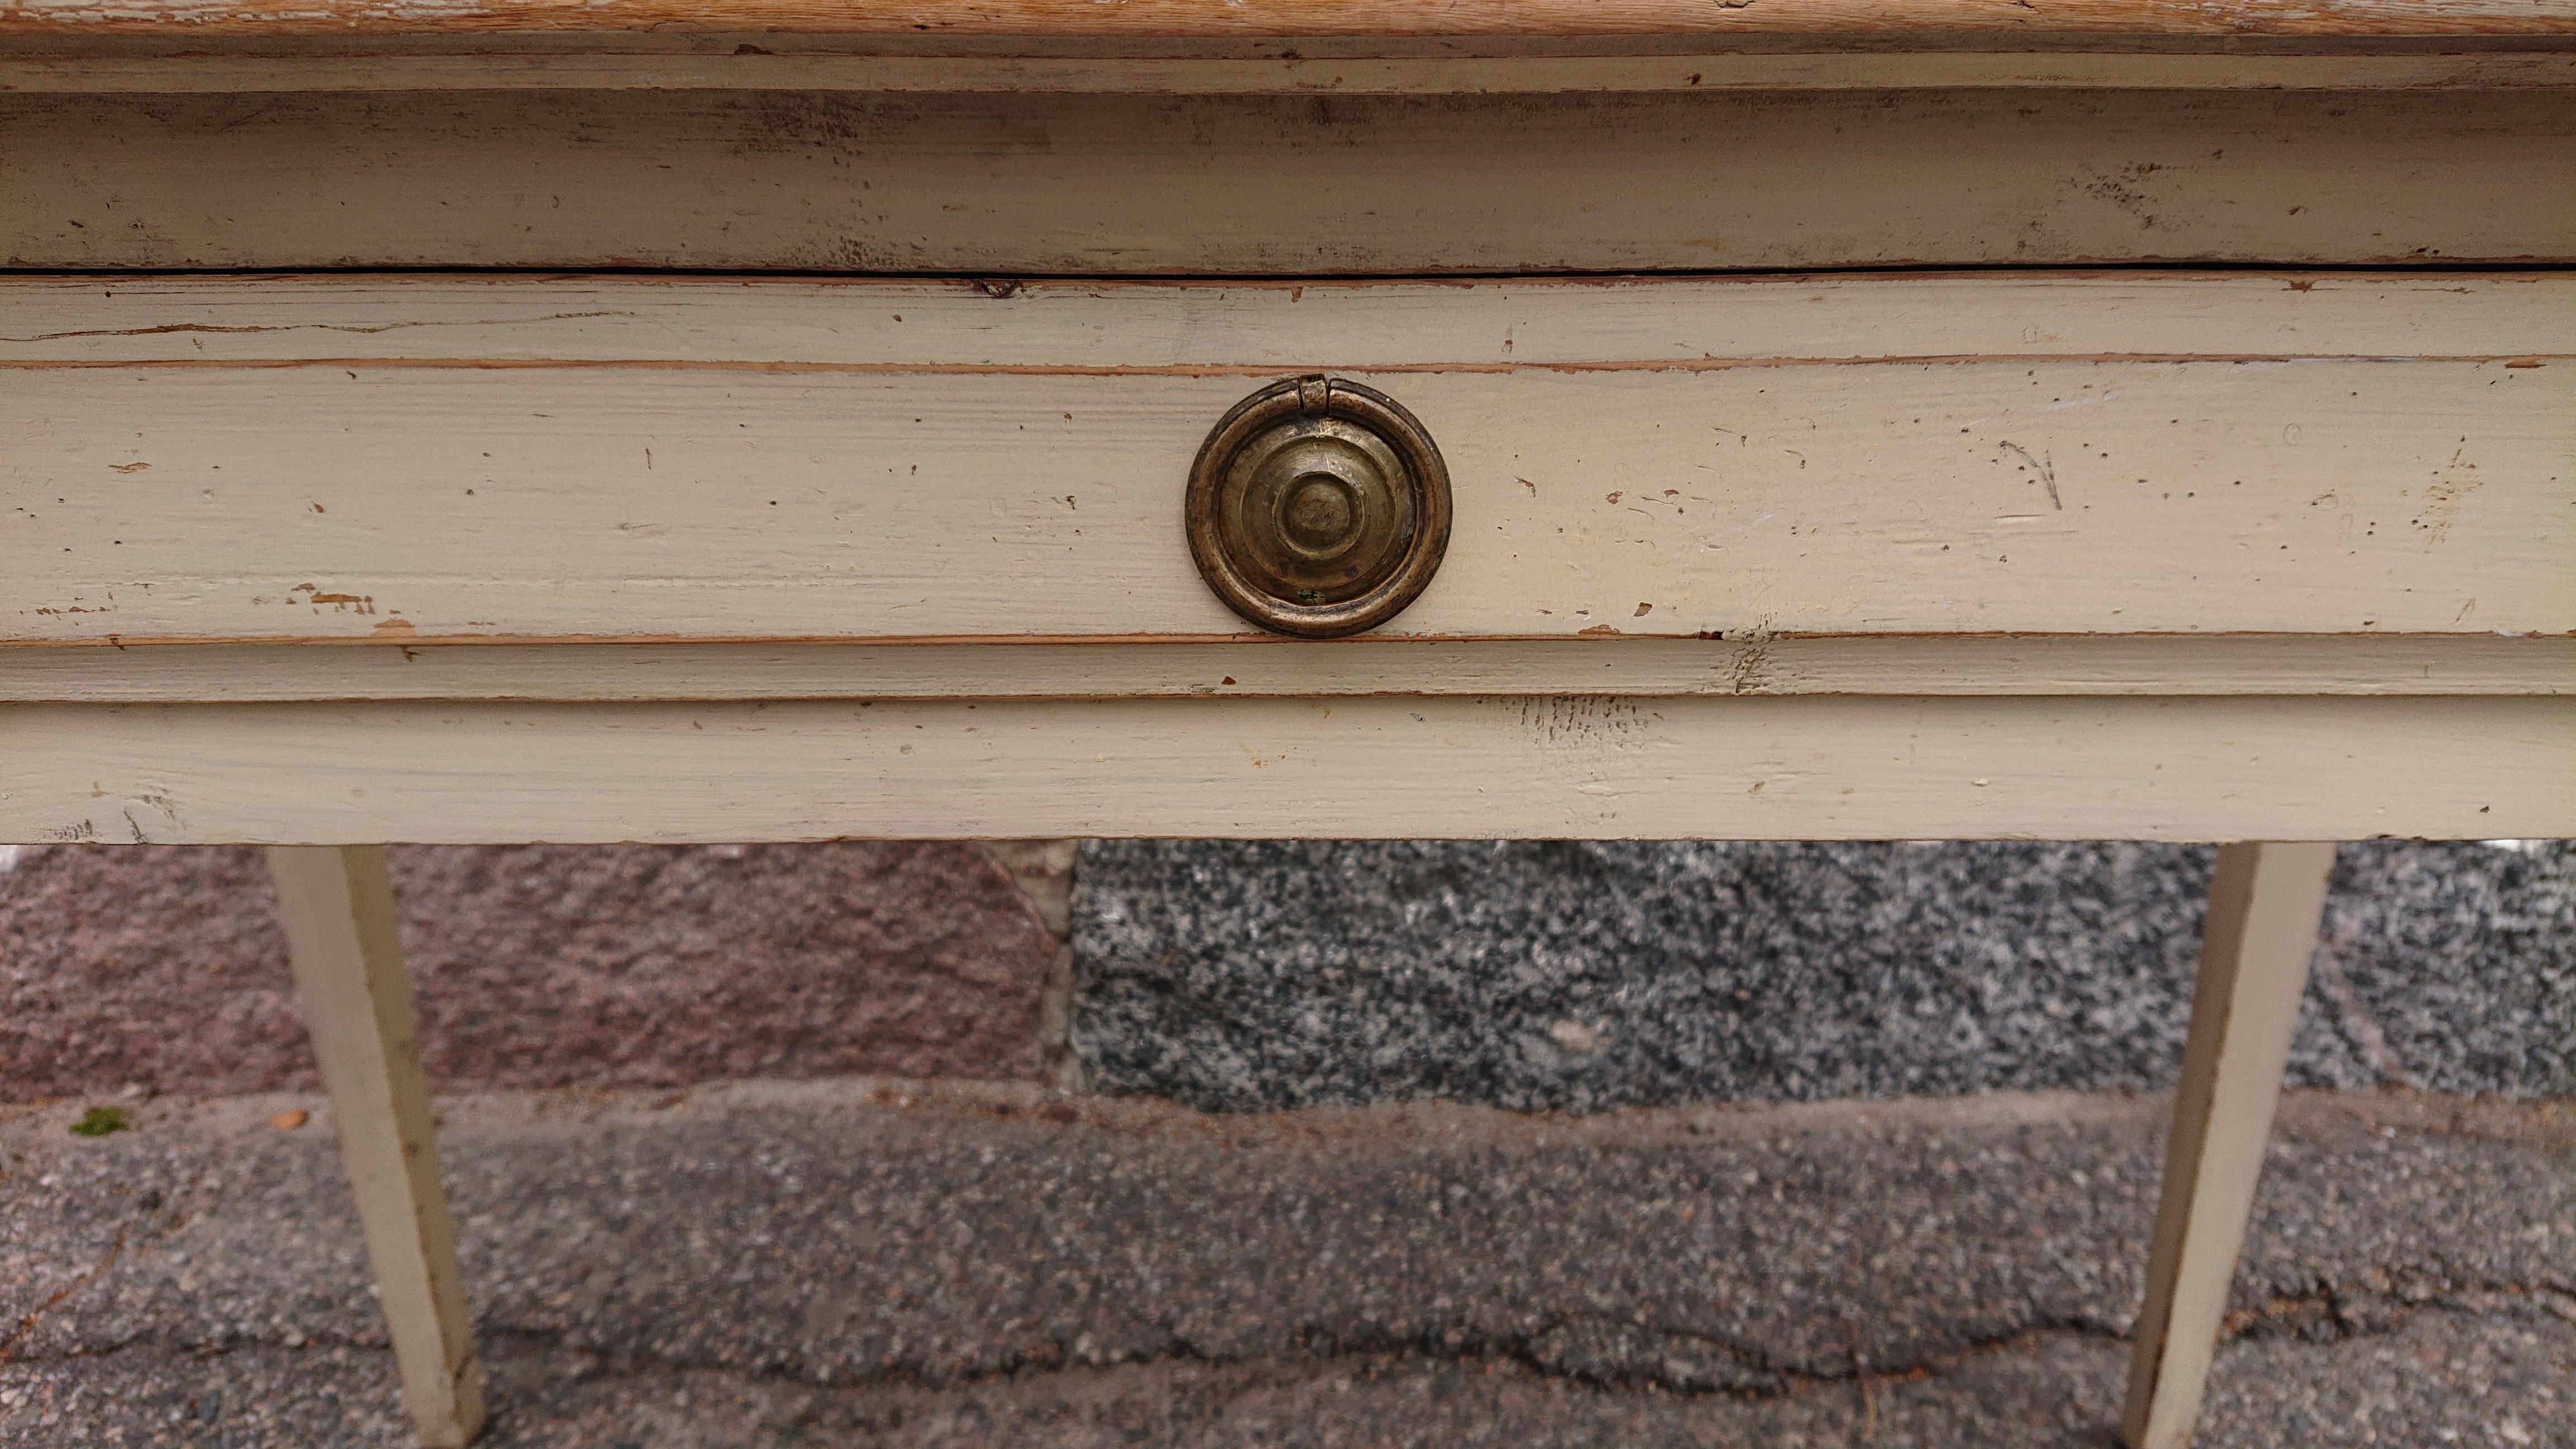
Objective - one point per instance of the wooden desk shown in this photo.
(679, 420)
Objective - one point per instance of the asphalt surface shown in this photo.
(877, 1262)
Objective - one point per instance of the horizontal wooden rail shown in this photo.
(805, 65)
(1379, 767)
(2074, 665)
(1022, 184)
(1219, 327)
(1305, 17)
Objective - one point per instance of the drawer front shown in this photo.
(672, 461)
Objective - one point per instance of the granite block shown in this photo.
(533, 966)
(1582, 976)
(2452, 967)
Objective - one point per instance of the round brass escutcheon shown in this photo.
(1318, 508)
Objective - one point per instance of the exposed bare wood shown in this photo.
(2261, 930)
(1009, 185)
(1307, 17)
(2081, 665)
(1293, 74)
(1376, 767)
(343, 937)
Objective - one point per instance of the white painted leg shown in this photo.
(341, 935)
(2264, 902)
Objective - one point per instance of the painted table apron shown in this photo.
(676, 420)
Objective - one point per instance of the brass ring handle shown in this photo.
(1318, 508)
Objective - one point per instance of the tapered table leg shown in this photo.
(2264, 903)
(338, 908)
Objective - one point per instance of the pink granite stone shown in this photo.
(533, 966)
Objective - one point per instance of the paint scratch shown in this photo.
(2047, 466)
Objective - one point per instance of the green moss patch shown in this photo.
(100, 1121)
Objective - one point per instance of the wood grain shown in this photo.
(1308, 17)
(1015, 185)
(1559, 767)
(1296, 73)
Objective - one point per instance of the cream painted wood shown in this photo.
(1621, 489)
(343, 938)
(1260, 327)
(781, 68)
(671, 504)
(1811, 767)
(2261, 930)
(1922, 665)
(1284, 184)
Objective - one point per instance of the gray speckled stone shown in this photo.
(1256, 975)
(2461, 958)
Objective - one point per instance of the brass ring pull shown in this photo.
(1318, 508)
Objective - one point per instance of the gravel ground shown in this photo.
(2484, 1377)
(1253, 976)
(893, 1263)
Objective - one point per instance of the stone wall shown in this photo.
(1262, 975)
(533, 966)
(1584, 976)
